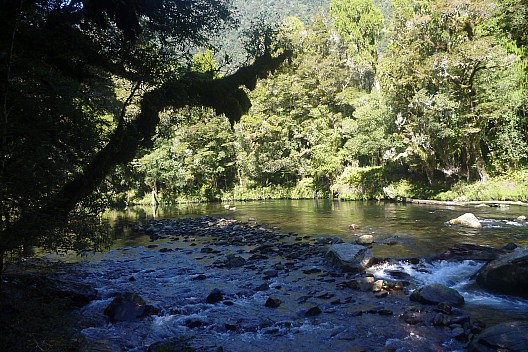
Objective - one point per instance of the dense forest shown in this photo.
(126, 101)
(382, 99)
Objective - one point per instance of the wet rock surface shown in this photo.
(437, 293)
(511, 336)
(349, 257)
(128, 307)
(507, 274)
(468, 251)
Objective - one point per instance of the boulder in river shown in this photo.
(468, 251)
(467, 220)
(273, 302)
(128, 307)
(437, 293)
(507, 274)
(214, 297)
(511, 336)
(349, 256)
(365, 240)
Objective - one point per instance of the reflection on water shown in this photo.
(414, 230)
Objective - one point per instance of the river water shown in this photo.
(422, 230)
(165, 278)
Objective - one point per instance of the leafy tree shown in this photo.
(367, 132)
(443, 78)
(60, 64)
(360, 24)
(194, 161)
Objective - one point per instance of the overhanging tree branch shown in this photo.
(226, 95)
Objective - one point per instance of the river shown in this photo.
(162, 273)
(421, 229)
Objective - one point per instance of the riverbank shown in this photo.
(370, 183)
(226, 285)
(36, 313)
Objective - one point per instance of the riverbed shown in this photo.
(421, 230)
(175, 268)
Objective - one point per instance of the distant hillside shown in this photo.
(272, 11)
(279, 9)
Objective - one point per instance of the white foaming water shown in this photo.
(456, 275)
(494, 223)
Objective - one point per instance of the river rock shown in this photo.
(437, 293)
(273, 302)
(508, 274)
(521, 218)
(467, 220)
(511, 336)
(233, 261)
(312, 311)
(349, 256)
(128, 307)
(468, 251)
(214, 297)
(365, 240)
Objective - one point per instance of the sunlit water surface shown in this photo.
(421, 229)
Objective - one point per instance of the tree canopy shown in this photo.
(82, 87)
(428, 91)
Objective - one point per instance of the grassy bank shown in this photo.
(366, 183)
(512, 186)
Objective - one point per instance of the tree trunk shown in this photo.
(225, 95)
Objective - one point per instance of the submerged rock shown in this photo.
(349, 256)
(467, 220)
(468, 251)
(313, 311)
(508, 274)
(512, 336)
(437, 293)
(233, 261)
(128, 307)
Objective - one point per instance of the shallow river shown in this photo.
(422, 229)
(165, 279)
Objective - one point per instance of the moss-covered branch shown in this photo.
(226, 95)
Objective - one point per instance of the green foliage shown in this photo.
(192, 159)
(360, 183)
(366, 132)
(385, 99)
(448, 85)
(512, 186)
(360, 25)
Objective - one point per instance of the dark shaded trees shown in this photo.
(64, 127)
